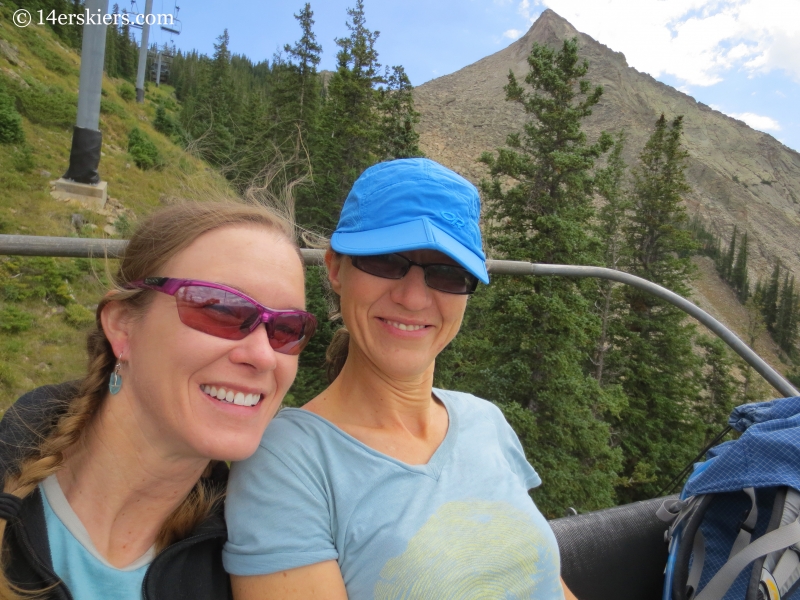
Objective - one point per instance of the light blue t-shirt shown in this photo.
(462, 526)
(76, 560)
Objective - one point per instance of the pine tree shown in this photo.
(349, 123)
(110, 59)
(727, 263)
(739, 279)
(398, 137)
(769, 304)
(719, 386)
(527, 342)
(612, 220)
(786, 317)
(754, 388)
(659, 372)
(304, 57)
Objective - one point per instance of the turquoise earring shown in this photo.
(115, 383)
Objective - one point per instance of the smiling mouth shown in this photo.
(230, 396)
(403, 326)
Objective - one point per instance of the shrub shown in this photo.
(78, 316)
(7, 378)
(143, 151)
(51, 106)
(14, 291)
(52, 61)
(23, 159)
(109, 107)
(127, 92)
(123, 225)
(163, 122)
(15, 320)
(10, 122)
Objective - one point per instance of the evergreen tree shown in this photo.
(349, 124)
(659, 372)
(527, 342)
(110, 59)
(786, 318)
(727, 262)
(754, 388)
(397, 137)
(719, 386)
(127, 53)
(612, 220)
(769, 303)
(304, 57)
(739, 279)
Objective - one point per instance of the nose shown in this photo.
(411, 291)
(255, 350)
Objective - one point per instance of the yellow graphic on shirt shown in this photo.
(473, 550)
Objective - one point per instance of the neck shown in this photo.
(123, 484)
(364, 395)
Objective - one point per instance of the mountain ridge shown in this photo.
(739, 176)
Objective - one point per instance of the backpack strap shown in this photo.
(781, 571)
(779, 539)
(684, 580)
(747, 526)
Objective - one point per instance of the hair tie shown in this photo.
(10, 505)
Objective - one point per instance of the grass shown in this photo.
(48, 304)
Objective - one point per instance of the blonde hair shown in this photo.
(160, 237)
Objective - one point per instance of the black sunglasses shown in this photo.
(451, 279)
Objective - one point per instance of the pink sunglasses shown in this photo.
(227, 313)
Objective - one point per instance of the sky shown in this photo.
(741, 57)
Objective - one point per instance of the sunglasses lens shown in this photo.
(388, 266)
(215, 312)
(450, 279)
(290, 333)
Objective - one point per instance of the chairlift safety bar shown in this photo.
(31, 245)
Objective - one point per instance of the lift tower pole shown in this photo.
(148, 8)
(84, 157)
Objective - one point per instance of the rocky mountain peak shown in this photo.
(738, 175)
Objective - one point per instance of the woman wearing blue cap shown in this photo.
(383, 487)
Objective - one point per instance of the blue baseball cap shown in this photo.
(412, 204)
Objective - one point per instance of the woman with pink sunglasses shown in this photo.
(113, 485)
(382, 486)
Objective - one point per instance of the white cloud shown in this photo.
(524, 9)
(759, 122)
(512, 34)
(696, 41)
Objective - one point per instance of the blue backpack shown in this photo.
(735, 533)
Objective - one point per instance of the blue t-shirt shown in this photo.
(461, 526)
(77, 562)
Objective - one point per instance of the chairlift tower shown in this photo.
(173, 28)
(148, 9)
(161, 63)
(81, 180)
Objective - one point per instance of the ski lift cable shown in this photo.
(29, 245)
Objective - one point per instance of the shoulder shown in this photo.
(296, 441)
(471, 406)
(30, 418)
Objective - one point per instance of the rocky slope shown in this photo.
(738, 175)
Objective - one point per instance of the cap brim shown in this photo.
(419, 234)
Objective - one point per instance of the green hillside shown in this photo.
(55, 298)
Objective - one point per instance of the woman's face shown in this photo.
(168, 364)
(400, 325)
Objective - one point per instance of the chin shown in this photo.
(233, 447)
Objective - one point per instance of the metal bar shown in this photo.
(29, 245)
(507, 267)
